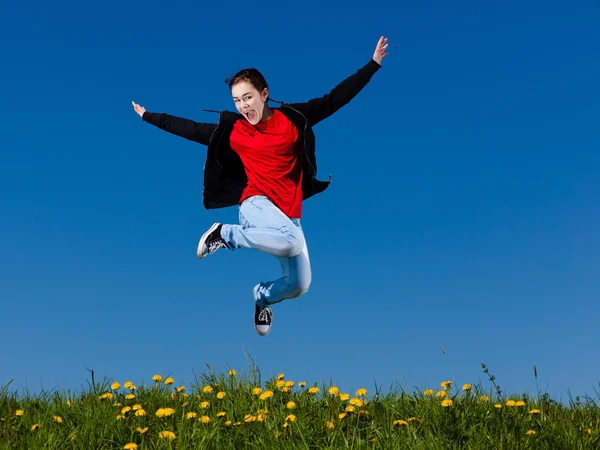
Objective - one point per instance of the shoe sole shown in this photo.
(203, 240)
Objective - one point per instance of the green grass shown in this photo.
(475, 419)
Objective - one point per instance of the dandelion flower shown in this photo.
(261, 417)
(136, 407)
(221, 395)
(280, 376)
(334, 390)
(350, 408)
(289, 384)
(441, 394)
(128, 385)
(232, 373)
(184, 404)
(157, 378)
(302, 384)
(286, 389)
(361, 392)
(207, 389)
(446, 384)
(290, 405)
(363, 413)
(467, 387)
(140, 413)
(169, 380)
(58, 419)
(330, 425)
(165, 412)
(167, 435)
(290, 418)
(399, 422)
(357, 402)
(125, 409)
(115, 386)
(120, 417)
(344, 397)
(534, 411)
(313, 390)
(227, 423)
(129, 396)
(510, 403)
(204, 405)
(530, 433)
(484, 398)
(131, 446)
(413, 419)
(248, 418)
(286, 424)
(106, 396)
(447, 402)
(205, 419)
(221, 414)
(589, 431)
(35, 427)
(265, 395)
(497, 406)
(142, 430)
(342, 415)
(280, 383)
(428, 392)
(19, 412)
(180, 389)
(257, 391)
(520, 403)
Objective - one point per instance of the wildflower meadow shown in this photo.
(231, 410)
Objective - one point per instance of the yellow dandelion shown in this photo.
(69, 402)
(131, 446)
(302, 384)
(363, 413)
(140, 413)
(120, 417)
(204, 405)
(167, 435)
(344, 397)
(58, 419)
(257, 391)
(286, 389)
(520, 403)
(330, 425)
(207, 389)
(313, 390)
(142, 430)
(184, 404)
(157, 378)
(589, 431)
(265, 395)
(534, 411)
(263, 411)
(413, 419)
(510, 403)
(290, 405)
(128, 385)
(205, 419)
(35, 427)
(248, 418)
(285, 424)
(227, 423)
(165, 412)
(289, 384)
(280, 376)
(357, 402)
(280, 383)
(180, 389)
(441, 394)
(428, 392)
(107, 396)
(125, 409)
(497, 406)
(290, 418)
(130, 396)
(400, 422)
(342, 415)
(350, 409)
(115, 386)
(467, 387)
(136, 407)
(221, 414)
(484, 398)
(221, 395)
(334, 391)
(261, 417)
(447, 402)
(361, 392)
(169, 380)
(232, 373)
(530, 433)
(19, 412)
(446, 384)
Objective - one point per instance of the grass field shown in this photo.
(242, 410)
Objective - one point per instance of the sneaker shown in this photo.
(262, 320)
(211, 241)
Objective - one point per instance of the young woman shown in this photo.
(263, 159)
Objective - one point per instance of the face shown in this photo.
(249, 102)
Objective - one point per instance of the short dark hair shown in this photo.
(252, 76)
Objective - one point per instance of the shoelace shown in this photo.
(263, 315)
(215, 245)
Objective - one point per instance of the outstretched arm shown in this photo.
(317, 109)
(194, 131)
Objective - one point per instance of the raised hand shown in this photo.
(138, 109)
(380, 50)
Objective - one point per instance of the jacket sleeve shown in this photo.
(320, 108)
(194, 131)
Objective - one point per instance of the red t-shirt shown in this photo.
(272, 158)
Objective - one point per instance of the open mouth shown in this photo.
(251, 115)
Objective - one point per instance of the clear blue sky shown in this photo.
(463, 213)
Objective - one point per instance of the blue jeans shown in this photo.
(265, 227)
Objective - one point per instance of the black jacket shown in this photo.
(224, 174)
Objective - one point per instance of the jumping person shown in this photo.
(263, 159)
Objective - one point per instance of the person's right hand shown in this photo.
(138, 109)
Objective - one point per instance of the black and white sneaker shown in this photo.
(262, 320)
(211, 241)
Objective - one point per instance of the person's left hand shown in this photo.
(380, 50)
